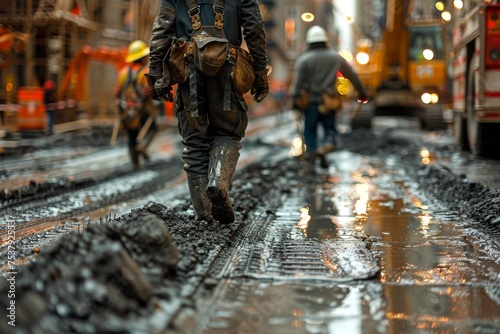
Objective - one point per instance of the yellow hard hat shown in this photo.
(137, 50)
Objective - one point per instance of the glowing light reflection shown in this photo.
(305, 217)
(298, 148)
(425, 220)
(361, 206)
(426, 156)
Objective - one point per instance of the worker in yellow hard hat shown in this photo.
(135, 105)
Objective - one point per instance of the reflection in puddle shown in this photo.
(305, 217)
(440, 309)
(425, 259)
(263, 308)
(362, 203)
(432, 278)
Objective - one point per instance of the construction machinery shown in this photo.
(74, 84)
(10, 43)
(405, 69)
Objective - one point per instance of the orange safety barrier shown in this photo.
(31, 115)
(169, 106)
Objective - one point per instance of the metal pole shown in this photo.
(29, 43)
(135, 17)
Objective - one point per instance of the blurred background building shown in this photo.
(80, 44)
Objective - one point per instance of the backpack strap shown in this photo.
(135, 85)
(132, 80)
(219, 13)
(194, 14)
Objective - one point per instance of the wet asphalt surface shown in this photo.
(383, 241)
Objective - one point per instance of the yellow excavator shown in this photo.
(405, 70)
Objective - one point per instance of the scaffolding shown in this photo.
(48, 35)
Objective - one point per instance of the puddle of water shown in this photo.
(263, 308)
(432, 278)
(441, 309)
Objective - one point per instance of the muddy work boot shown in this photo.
(323, 162)
(201, 204)
(143, 147)
(222, 165)
(321, 153)
(308, 164)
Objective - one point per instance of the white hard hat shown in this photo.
(316, 34)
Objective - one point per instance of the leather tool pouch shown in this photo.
(302, 100)
(243, 75)
(333, 98)
(180, 54)
(332, 101)
(210, 50)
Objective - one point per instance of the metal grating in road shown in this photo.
(275, 247)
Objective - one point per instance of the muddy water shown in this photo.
(380, 258)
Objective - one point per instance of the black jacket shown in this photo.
(173, 20)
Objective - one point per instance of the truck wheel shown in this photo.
(460, 131)
(482, 139)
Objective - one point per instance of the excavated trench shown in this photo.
(378, 243)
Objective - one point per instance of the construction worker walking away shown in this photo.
(197, 45)
(135, 105)
(50, 99)
(316, 94)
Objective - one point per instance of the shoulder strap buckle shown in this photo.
(194, 14)
(219, 16)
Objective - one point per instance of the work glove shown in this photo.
(362, 98)
(260, 87)
(157, 89)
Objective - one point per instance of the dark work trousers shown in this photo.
(213, 126)
(51, 114)
(312, 119)
(133, 133)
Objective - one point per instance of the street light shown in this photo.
(446, 16)
(307, 17)
(459, 4)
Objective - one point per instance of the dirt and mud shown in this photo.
(156, 270)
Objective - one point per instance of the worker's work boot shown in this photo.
(143, 147)
(222, 166)
(308, 164)
(201, 204)
(321, 153)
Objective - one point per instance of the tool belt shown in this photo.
(209, 61)
(207, 51)
(130, 114)
(334, 97)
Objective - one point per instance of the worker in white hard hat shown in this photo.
(316, 76)
(135, 105)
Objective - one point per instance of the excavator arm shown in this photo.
(10, 42)
(74, 82)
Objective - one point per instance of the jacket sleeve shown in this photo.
(254, 33)
(348, 72)
(162, 33)
(297, 78)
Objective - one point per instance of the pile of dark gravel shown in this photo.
(93, 282)
(123, 275)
